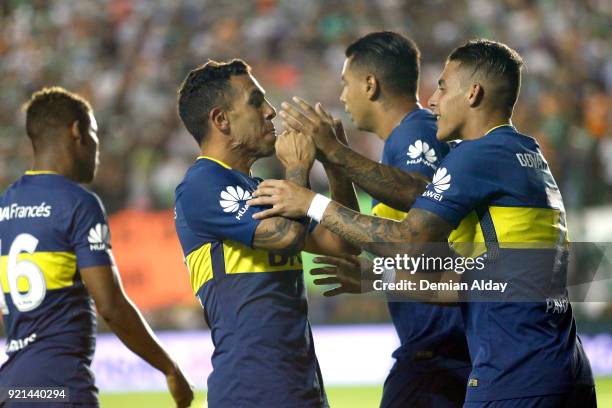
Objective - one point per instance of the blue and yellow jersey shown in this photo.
(498, 191)
(254, 301)
(413, 147)
(50, 228)
(423, 329)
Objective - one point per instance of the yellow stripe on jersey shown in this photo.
(58, 269)
(240, 258)
(468, 232)
(527, 225)
(199, 264)
(37, 172)
(384, 211)
(514, 226)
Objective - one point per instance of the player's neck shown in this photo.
(230, 158)
(49, 163)
(481, 123)
(391, 115)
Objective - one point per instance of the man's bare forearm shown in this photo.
(280, 235)
(389, 185)
(128, 324)
(364, 231)
(298, 174)
(341, 187)
(375, 234)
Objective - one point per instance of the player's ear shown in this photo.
(219, 119)
(475, 93)
(75, 131)
(372, 87)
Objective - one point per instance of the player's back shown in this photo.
(50, 228)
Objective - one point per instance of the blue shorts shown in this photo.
(424, 384)
(49, 364)
(580, 397)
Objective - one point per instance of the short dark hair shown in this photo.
(204, 88)
(392, 57)
(54, 107)
(496, 62)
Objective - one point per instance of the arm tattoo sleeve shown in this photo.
(341, 187)
(372, 233)
(387, 184)
(299, 175)
(280, 235)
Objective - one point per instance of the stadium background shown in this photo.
(129, 56)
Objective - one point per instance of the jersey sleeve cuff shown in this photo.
(251, 233)
(90, 261)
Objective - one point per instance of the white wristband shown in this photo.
(318, 205)
(388, 276)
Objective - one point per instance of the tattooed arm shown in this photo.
(390, 185)
(415, 236)
(340, 185)
(372, 233)
(280, 235)
(322, 240)
(291, 200)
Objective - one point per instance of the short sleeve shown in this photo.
(413, 147)
(464, 181)
(90, 235)
(213, 204)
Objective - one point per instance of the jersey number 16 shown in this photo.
(22, 269)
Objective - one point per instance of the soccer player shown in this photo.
(56, 257)
(495, 188)
(246, 273)
(380, 81)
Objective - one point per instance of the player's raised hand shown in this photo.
(286, 198)
(180, 387)
(336, 124)
(295, 149)
(349, 272)
(314, 122)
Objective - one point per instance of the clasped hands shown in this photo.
(309, 134)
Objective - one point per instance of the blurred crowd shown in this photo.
(129, 57)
